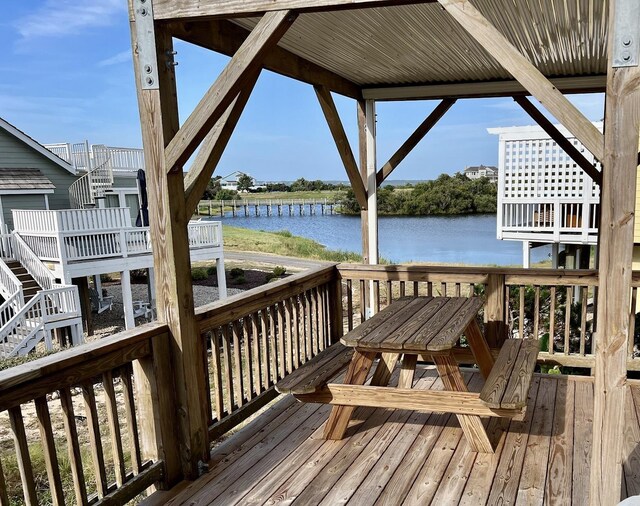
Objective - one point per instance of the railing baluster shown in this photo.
(237, 365)
(288, 334)
(322, 334)
(273, 351)
(536, 313)
(583, 321)
(49, 450)
(228, 370)
(255, 350)
(248, 361)
(389, 292)
(521, 314)
(22, 455)
(75, 458)
(218, 397)
(567, 320)
(132, 422)
(552, 320)
(349, 305)
(298, 356)
(632, 321)
(95, 443)
(114, 427)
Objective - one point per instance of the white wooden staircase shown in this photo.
(34, 304)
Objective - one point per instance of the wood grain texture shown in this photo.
(75, 456)
(316, 372)
(236, 75)
(496, 384)
(384, 369)
(23, 458)
(49, 451)
(438, 323)
(616, 237)
(95, 440)
(479, 348)
(342, 143)
(526, 73)
(450, 335)
(471, 425)
(356, 335)
(407, 371)
(356, 375)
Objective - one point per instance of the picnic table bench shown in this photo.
(426, 328)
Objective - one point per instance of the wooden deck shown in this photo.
(403, 457)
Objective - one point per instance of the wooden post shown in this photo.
(617, 205)
(494, 312)
(335, 308)
(174, 292)
(85, 303)
(364, 214)
(127, 300)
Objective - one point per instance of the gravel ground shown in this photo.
(111, 322)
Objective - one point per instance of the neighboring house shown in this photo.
(31, 177)
(70, 213)
(230, 181)
(544, 197)
(476, 172)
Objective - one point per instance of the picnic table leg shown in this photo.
(471, 425)
(356, 375)
(407, 371)
(479, 348)
(384, 369)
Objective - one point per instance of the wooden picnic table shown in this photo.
(412, 328)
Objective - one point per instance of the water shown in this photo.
(443, 239)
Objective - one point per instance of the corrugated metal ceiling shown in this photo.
(422, 43)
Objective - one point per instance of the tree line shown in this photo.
(446, 195)
(215, 191)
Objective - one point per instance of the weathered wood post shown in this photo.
(495, 310)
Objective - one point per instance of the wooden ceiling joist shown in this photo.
(414, 139)
(184, 9)
(482, 89)
(226, 37)
(342, 143)
(497, 45)
(560, 139)
(233, 78)
(212, 149)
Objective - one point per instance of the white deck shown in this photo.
(84, 242)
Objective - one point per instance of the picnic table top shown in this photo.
(416, 324)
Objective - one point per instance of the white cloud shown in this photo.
(121, 57)
(62, 17)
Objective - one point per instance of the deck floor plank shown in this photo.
(504, 488)
(559, 477)
(534, 468)
(394, 457)
(582, 432)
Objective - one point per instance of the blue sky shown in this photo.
(66, 75)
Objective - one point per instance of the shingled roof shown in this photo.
(24, 179)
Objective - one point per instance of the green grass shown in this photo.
(282, 243)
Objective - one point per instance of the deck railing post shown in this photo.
(496, 328)
(335, 308)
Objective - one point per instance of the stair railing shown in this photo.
(34, 266)
(12, 292)
(25, 324)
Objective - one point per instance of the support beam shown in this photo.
(372, 187)
(238, 72)
(342, 143)
(560, 139)
(212, 149)
(226, 37)
(526, 73)
(174, 292)
(176, 9)
(414, 139)
(482, 89)
(617, 208)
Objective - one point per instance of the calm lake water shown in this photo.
(451, 239)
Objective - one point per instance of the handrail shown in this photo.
(44, 307)
(86, 188)
(9, 283)
(34, 266)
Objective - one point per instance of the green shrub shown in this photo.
(105, 278)
(240, 280)
(139, 275)
(284, 233)
(211, 270)
(236, 272)
(278, 270)
(199, 274)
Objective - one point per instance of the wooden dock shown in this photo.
(403, 457)
(262, 207)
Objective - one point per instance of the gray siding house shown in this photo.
(31, 177)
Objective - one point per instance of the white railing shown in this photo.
(120, 159)
(554, 219)
(70, 220)
(34, 266)
(18, 337)
(84, 190)
(205, 234)
(12, 292)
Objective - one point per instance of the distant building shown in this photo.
(543, 196)
(476, 172)
(230, 181)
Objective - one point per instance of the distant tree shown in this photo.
(245, 182)
(278, 187)
(227, 194)
(213, 187)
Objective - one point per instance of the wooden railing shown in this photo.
(557, 307)
(255, 338)
(91, 392)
